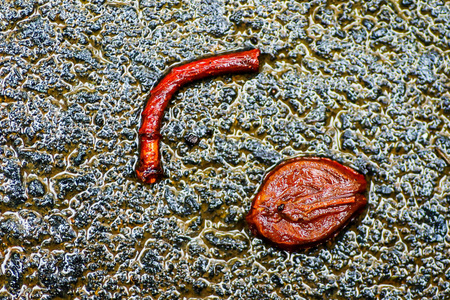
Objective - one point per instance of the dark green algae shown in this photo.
(364, 83)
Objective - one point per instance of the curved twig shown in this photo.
(149, 167)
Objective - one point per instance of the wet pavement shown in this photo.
(364, 83)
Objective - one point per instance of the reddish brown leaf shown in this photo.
(305, 201)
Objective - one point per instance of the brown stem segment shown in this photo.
(303, 212)
(149, 167)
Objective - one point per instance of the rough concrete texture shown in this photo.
(363, 82)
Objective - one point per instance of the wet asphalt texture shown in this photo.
(365, 83)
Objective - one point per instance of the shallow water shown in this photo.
(364, 83)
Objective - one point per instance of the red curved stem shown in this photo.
(149, 167)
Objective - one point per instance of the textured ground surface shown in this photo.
(362, 82)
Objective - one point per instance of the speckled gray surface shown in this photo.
(363, 82)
